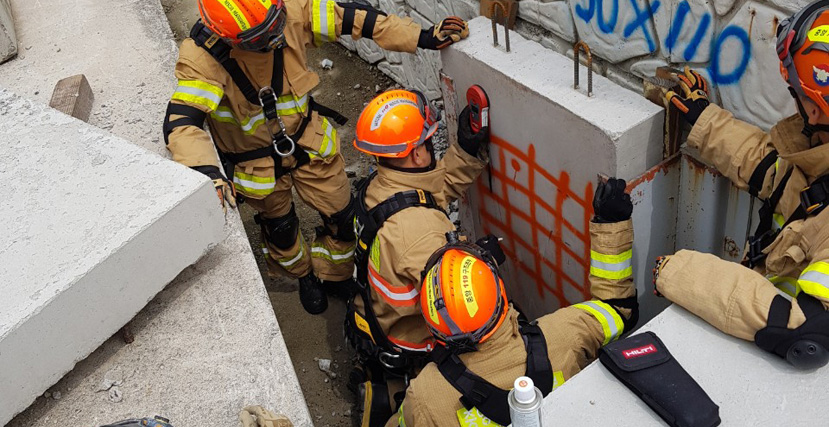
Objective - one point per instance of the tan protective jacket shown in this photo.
(574, 335)
(405, 242)
(731, 297)
(239, 126)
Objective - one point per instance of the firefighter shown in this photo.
(243, 71)
(787, 168)
(401, 219)
(484, 343)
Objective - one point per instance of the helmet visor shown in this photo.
(268, 35)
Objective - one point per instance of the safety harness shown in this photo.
(373, 342)
(813, 199)
(481, 394)
(283, 145)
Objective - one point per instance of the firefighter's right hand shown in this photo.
(444, 33)
(694, 98)
(224, 189)
(611, 203)
(470, 141)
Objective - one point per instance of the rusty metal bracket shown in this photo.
(576, 49)
(494, 19)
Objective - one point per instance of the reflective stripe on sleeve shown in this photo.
(785, 284)
(612, 323)
(328, 147)
(324, 20)
(558, 379)
(256, 185)
(612, 267)
(199, 93)
(335, 257)
(394, 295)
(815, 280)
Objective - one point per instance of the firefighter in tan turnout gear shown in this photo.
(243, 71)
(484, 344)
(401, 220)
(787, 168)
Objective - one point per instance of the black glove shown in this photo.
(224, 188)
(695, 96)
(470, 141)
(444, 33)
(611, 203)
(491, 244)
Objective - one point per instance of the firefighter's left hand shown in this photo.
(224, 188)
(611, 203)
(471, 142)
(444, 33)
(694, 98)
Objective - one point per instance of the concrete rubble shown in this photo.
(209, 343)
(8, 37)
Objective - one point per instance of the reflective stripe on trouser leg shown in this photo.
(332, 259)
(293, 262)
(612, 324)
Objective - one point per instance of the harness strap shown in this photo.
(191, 116)
(348, 21)
(368, 23)
(763, 234)
(538, 361)
(755, 183)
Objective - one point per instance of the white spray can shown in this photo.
(525, 401)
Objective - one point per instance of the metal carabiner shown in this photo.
(383, 355)
(291, 151)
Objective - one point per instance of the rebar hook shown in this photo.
(493, 17)
(576, 49)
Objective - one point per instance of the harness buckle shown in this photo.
(387, 359)
(756, 245)
(813, 198)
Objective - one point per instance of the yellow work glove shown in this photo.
(443, 34)
(224, 188)
(257, 416)
(694, 98)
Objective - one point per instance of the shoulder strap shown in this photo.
(220, 50)
(475, 391)
(766, 212)
(538, 361)
(755, 183)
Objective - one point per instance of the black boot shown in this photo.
(311, 295)
(343, 289)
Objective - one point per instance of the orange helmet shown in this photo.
(803, 48)
(394, 123)
(462, 298)
(255, 25)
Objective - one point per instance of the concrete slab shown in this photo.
(550, 143)
(209, 344)
(8, 37)
(95, 228)
(750, 386)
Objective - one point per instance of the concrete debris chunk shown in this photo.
(73, 96)
(327, 64)
(357, 86)
(115, 395)
(325, 366)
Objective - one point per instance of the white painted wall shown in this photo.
(732, 42)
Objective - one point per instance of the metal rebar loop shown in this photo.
(494, 17)
(576, 49)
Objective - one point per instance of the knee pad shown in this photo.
(806, 347)
(375, 404)
(282, 231)
(343, 221)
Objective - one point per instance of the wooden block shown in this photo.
(510, 5)
(73, 96)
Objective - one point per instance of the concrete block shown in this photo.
(395, 71)
(8, 37)
(96, 228)
(543, 133)
(736, 374)
(73, 96)
(369, 51)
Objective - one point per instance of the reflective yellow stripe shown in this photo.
(375, 253)
(336, 257)
(289, 262)
(257, 185)
(558, 379)
(328, 147)
(249, 125)
(200, 93)
(287, 105)
(237, 14)
(324, 20)
(612, 323)
(785, 284)
(779, 221)
(474, 418)
(401, 420)
(266, 3)
(815, 280)
(612, 267)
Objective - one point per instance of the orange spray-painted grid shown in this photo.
(514, 239)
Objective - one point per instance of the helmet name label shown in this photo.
(386, 108)
(466, 285)
(819, 34)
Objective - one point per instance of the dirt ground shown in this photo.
(346, 88)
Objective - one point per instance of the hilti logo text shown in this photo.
(639, 352)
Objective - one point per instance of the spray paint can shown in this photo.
(525, 401)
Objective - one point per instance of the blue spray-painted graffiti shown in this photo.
(643, 16)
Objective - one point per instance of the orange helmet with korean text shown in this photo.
(255, 25)
(394, 123)
(803, 49)
(462, 299)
